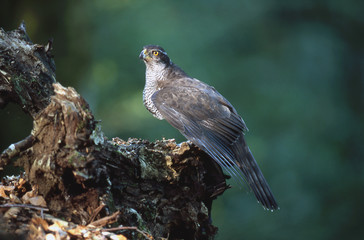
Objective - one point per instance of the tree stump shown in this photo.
(158, 189)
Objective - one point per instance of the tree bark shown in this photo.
(162, 188)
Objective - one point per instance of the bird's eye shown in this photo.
(155, 53)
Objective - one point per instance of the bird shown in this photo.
(204, 117)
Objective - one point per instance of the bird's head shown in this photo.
(154, 55)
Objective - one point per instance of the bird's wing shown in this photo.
(207, 119)
(202, 119)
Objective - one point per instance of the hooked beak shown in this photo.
(143, 54)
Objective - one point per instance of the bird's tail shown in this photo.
(253, 175)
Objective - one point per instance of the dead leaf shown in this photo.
(2, 193)
(20, 183)
(12, 213)
(8, 188)
(40, 221)
(14, 198)
(77, 231)
(121, 237)
(38, 201)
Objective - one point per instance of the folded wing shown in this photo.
(208, 120)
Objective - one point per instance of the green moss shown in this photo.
(76, 159)
(81, 125)
(140, 220)
(150, 213)
(19, 83)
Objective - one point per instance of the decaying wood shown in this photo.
(162, 188)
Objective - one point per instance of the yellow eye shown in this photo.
(155, 53)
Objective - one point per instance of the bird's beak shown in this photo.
(143, 54)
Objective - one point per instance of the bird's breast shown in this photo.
(150, 88)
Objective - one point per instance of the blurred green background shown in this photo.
(294, 70)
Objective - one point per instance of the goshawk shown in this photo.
(204, 117)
